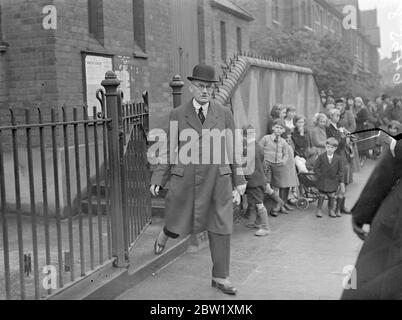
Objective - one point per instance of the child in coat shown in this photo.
(257, 183)
(329, 171)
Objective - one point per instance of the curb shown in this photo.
(108, 282)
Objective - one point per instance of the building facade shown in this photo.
(324, 17)
(54, 52)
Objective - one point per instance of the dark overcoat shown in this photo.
(379, 264)
(329, 175)
(199, 195)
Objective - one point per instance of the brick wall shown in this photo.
(212, 44)
(45, 66)
(31, 57)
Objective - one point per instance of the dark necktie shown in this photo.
(201, 115)
(276, 140)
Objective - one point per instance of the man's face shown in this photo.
(202, 91)
(330, 149)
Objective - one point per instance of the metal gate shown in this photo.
(73, 190)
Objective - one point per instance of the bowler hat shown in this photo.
(203, 72)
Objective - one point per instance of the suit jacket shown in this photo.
(329, 175)
(200, 195)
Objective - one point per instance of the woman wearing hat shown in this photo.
(378, 270)
(201, 191)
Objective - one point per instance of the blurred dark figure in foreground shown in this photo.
(379, 265)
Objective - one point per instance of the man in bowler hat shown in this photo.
(200, 194)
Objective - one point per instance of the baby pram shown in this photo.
(308, 191)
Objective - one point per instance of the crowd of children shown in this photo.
(326, 150)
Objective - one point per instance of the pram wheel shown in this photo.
(302, 203)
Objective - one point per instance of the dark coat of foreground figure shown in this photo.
(379, 265)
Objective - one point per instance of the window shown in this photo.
(95, 19)
(275, 10)
(139, 23)
(308, 13)
(303, 12)
(317, 19)
(322, 17)
(238, 33)
(223, 40)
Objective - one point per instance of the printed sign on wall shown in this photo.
(96, 67)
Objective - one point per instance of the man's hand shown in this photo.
(358, 229)
(241, 189)
(155, 190)
(236, 197)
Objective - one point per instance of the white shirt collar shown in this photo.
(392, 146)
(197, 106)
(330, 157)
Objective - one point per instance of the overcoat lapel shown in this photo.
(211, 119)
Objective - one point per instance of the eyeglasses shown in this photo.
(201, 87)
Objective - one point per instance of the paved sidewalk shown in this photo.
(302, 259)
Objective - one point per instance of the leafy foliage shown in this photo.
(329, 58)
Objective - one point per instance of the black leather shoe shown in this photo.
(225, 288)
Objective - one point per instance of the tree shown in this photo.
(330, 60)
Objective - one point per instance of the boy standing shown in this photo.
(257, 183)
(276, 155)
(329, 171)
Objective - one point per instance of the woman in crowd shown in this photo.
(289, 118)
(364, 120)
(350, 103)
(301, 137)
(333, 131)
(278, 112)
(289, 179)
(318, 133)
